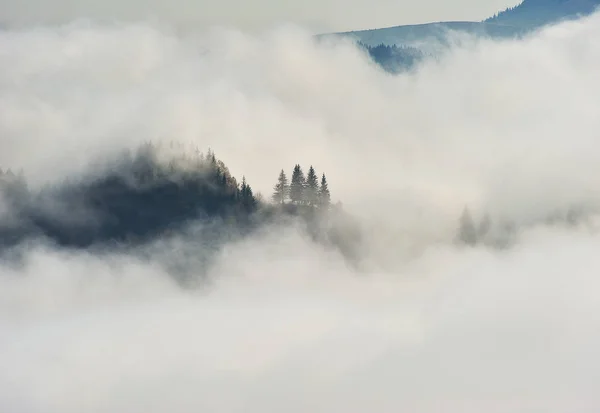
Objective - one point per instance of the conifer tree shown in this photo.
(467, 233)
(281, 189)
(324, 195)
(311, 191)
(249, 200)
(297, 185)
(246, 196)
(242, 189)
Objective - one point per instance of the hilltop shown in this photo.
(516, 21)
(155, 194)
(535, 13)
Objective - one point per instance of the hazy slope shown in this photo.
(528, 15)
(534, 13)
(430, 36)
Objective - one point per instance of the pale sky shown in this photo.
(320, 15)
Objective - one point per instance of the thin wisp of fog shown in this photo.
(419, 316)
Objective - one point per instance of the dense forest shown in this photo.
(393, 58)
(535, 13)
(400, 48)
(136, 198)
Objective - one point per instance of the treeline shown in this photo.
(13, 186)
(302, 190)
(393, 58)
(134, 197)
(471, 232)
(308, 198)
(532, 13)
(149, 194)
(500, 233)
(501, 14)
(145, 195)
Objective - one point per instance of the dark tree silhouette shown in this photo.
(534, 13)
(393, 58)
(311, 191)
(297, 185)
(140, 197)
(136, 197)
(302, 191)
(246, 197)
(281, 189)
(324, 195)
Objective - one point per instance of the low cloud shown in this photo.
(506, 128)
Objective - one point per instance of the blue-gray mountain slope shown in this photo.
(516, 21)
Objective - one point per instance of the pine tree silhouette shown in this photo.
(281, 189)
(324, 195)
(246, 196)
(311, 191)
(297, 185)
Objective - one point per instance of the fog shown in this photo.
(280, 324)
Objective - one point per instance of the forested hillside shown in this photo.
(398, 48)
(394, 58)
(137, 198)
(534, 13)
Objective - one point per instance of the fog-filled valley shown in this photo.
(441, 258)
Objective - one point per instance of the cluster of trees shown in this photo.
(393, 58)
(12, 186)
(502, 232)
(203, 177)
(469, 232)
(302, 190)
(498, 15)
(149, 194)
(534, 13)
(136, 196)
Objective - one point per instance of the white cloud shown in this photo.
(454, 331)
(507, 127)
(486, 126)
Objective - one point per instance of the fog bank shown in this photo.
(422, 325)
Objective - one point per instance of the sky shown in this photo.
(318, 15)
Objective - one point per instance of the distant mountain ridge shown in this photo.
(534, 13)
(512, 22)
